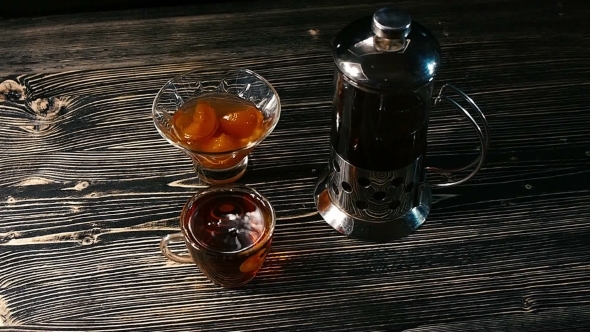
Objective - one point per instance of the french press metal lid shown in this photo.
(386, 52)
(374, 187)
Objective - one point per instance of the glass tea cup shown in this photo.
(228, 232)
(217, 117)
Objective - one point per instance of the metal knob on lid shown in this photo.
(391, 23)
(391, 26)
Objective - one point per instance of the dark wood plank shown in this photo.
(88, 187)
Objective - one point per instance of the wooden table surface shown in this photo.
(88, 187)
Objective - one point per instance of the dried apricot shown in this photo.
(181, 120)
(240, 124)
(204, 122)
(219, 142)
(254, 262)
(258, 131)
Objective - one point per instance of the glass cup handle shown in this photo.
(483, 135)
(177, 237)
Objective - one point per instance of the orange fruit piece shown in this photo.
(240, 124)
(258, 131)
(204, 122)
(181, 120)
(254, 262)
(219, 142)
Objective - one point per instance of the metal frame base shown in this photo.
(375, 231)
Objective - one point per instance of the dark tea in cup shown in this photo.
(228, 232)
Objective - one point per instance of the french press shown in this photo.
(374, 187)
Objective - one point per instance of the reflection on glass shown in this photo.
(431, 66)
(353, 70)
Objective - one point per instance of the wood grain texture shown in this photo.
(88, 187)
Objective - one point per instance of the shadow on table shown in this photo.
(53, 7)
(350, 286)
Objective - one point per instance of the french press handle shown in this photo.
(483, 135)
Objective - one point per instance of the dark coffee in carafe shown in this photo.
(380, 132)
